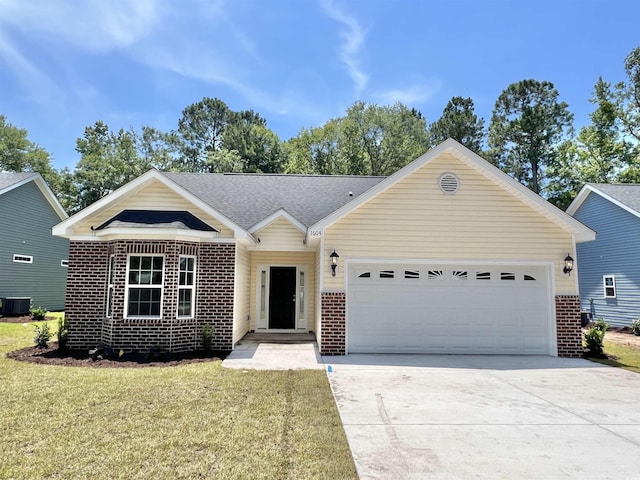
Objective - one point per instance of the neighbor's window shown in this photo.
(64, 263)
(144, 286)
(187, 287)
(609, 286)
(112, 261)
(23, 258)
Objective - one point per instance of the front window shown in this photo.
(186, 286)
(144, 286)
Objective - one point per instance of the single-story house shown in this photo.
(33, 263)
(610, 266)
(447, 255)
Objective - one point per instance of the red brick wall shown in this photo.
(87, 290)
(568, 326)
(333, 314)
(86, 293)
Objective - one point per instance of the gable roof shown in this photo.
(580, 232)
(12, 180)
(624, 195)
(249, 199)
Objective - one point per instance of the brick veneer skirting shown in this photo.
(87, 292)
(568, 325)
(333, 325)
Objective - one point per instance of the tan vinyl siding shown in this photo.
(280, 235)
(414, 219)
(241, 309)
(292, 259)
(155, 196)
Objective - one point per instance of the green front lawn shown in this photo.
(627, 356)
(191, 421)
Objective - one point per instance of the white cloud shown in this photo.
(89, 25)
(353, 41)
(410, 95)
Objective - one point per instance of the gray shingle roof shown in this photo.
(625, 193)
(247, 199)
(10, 178)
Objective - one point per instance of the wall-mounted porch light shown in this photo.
(334, 262)
(568, 264)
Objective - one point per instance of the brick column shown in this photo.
(86, 293)
(333, 315)
(569, 326)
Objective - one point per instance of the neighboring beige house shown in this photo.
(447, 255)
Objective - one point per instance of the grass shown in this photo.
(190, 421)
(627, 356)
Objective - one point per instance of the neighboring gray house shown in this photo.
(33, 263)
(609, 267)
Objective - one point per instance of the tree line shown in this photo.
(530, 136)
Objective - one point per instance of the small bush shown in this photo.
(635, 327)
(601, 325)
(207, 336)
(42, 336)
(38, 313)
(593, 339)
(63, 333)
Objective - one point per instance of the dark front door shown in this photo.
(282, 291)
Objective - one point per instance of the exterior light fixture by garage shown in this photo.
(568, 264)
(334, 262)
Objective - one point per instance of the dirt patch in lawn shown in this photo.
(623, 336)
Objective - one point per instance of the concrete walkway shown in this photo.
(272, 351)
(498, 417)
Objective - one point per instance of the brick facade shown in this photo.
(87, 293)
(333, 328)
(568, 326)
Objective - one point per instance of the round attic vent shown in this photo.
(449, 183)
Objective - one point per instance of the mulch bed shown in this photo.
(82, 358)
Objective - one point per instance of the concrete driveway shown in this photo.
(461, 417)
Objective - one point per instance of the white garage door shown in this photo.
(413, 308)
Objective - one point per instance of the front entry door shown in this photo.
(282, 297)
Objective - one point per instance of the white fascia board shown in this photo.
(281, 213)
(155, 233)
(584, 193)
(580, 232)
(17, 184)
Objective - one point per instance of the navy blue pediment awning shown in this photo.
(157, 219)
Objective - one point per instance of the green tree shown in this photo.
(108, 161)
(459, 121)
(527, 127)
(316, 151)
(377, 140)
(19, 154)
(210, 126)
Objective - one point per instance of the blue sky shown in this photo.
(64, 64)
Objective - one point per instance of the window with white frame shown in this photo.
(144, 286)
(64, 263)
(187, 287)
(110, 275)
(609, 282)
(17, 258)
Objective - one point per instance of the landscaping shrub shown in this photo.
(42, 336)
(207, 336)
(635, 327)
(63, 333)
(38, 313)
(593, 339)
(601, 325)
